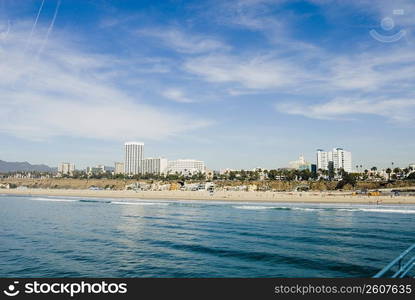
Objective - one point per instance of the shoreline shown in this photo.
(277, 197)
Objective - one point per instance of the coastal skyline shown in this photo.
(239, 84)
(135, 162)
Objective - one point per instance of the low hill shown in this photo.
(23, 166)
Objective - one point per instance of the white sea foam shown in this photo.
(397, 210)
(252, 207)
(53, 200)
(256, 207)
(138, 203)
(330, 209)
(304, 208)
(384, 210)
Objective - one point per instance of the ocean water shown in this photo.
(90, 237)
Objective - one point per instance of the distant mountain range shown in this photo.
(23, 166)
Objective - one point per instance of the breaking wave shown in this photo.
(53, 200)
(310, 209)
(138, 203)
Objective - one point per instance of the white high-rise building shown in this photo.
(186, 166)
(118, 168)
(155, 165)
(322, 159)
(133, 158)
(341, 159)
(66, 168)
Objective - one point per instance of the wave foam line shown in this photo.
(381, 210)
(53, 200)
(374, 210)
(138, 203)
(251, 207)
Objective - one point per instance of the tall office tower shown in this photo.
(133, 158)
(154, 165)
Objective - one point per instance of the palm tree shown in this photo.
(366, 176)
(406, 171)
(389, 171)
(373, 169)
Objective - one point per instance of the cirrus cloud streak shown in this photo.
(69, 92)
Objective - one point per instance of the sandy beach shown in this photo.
(304, 197)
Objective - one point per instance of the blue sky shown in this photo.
(239, 84)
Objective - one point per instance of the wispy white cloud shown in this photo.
(372, 82)
(266, 17)
(176, 95)
(372, 70)
(184, 42)
(256, 72)
(4, 30)
(395, 110)
(250, 14)
(296, 66)
(321, 74)
(66, 93)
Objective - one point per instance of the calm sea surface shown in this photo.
(90, 237)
